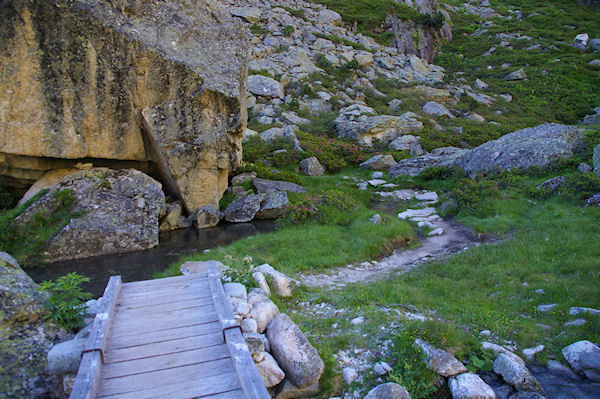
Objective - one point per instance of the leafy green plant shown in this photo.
(258, 30)
(67, 300)
(333, 153)
(474, 195)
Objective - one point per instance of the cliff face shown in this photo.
(156, 84)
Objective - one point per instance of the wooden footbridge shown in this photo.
(167, 338)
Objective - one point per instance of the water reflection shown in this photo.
(141, 265)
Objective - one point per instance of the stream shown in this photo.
(141, 265)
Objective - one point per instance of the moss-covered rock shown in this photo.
(25, 336)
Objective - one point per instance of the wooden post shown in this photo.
(88, 375)
(252, 384)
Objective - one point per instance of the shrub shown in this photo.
(265, 172)
(303, 209)
(322, 62)
(475, 195)
(337, 207)
(578, 188)
(258, 30)
(67, 300)
(335, 154)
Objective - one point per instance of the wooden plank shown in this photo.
(150, 300)
(87, 380)
(235, 394)
(164, 348)
(182, 298)
(184, 321)
(163, 362)
(221, 370)
(165, 307)
(157, 282)
(156, 337)
(196, 386)
(198, 285)
(146, 320)
(162, 313)
(251, 381)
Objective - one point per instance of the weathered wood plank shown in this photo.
(252, 384)
(161, 313)
(149, 300)
(157, 282)
(156, 337)
(88, 376)
(236, 394)
(199, 285)
(174, 321)
(163, 362)
(199, 387)
(164, 300)
(164, 348)
(220, 370)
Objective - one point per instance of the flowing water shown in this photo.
(141, 265)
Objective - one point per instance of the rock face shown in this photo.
(128, 84)
(25, 337)
(119, 212)
(296, 356)
(535, 146)
(361, 123)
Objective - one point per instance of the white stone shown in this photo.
(260, 279)
(584, 357)
(249, 326)
(582, 38)
(427, 196)
(349, 374)
(357, 320)
(269, 371)
(530, 353)
(376, 182)
(470, 386)
(580, 310)
(436, 232)
(236, 290)
(515, 373)
(546, 308)
(575, 323)
(411, 213)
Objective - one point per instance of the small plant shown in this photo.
(303, 210)
(258, 30)
(322, 62)
(67, 300)
(475, 195)
(288, 30)
(240, 270)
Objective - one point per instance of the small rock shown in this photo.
(265, 86)
(269, 186)
(530, 353)
(582, 38)
(515, 373)
(236, 290)
(412, 213)
(436, 232)
(470, 386)
(389, 390)
(437, 109)
(249, 14)
(349, 374)
(269, 371)
(207, 217)
(256, 345)
(584, 358)
(357, 320)
(263, 312)
(287, 390)
(282, 284)
(311, 167)
(516, 75)
(379, 370)
(584, 168)
(546, 308)
(249, 326)
(65, 357)
(260, 279)
(376, 219)
(378, 162)
(273, 206)
(242, 178)
(575, 310)
(553, 184)
(244, 208)
(439, 361)
(575, 323)
(376, 175)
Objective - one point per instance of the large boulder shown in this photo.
(444, 156)
(535, 146)
(118, 211)
(584, 358)
(136, 83)
(362, 124)
(513, 370)
(269, 186)
(296, 356)
(25, 336)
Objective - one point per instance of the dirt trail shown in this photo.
(456, 238)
